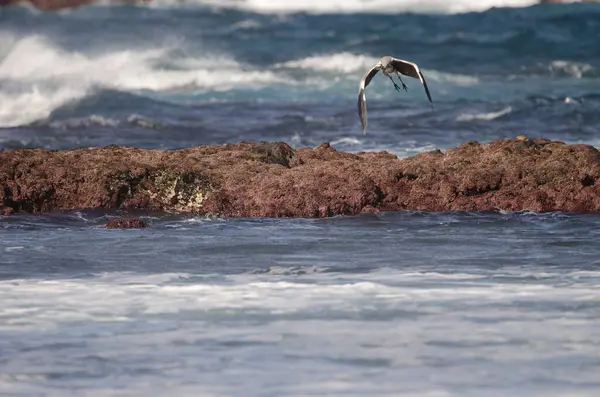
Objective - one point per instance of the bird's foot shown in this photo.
(397, 87)
(405, 87)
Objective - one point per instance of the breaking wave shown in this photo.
(484, 116)
(37, 76)
(343, 62)
(349, 6)
(573, 69)
(346, 62)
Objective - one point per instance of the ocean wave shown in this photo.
(33, 103)
(484, 116)
(349, 6)
(90, 121)
(573, 69)
(559, 69)
(275, 291)
(347, 62)
(42, 77)
(452, 78)
(35, 59)
(38, 77)
(349, 141)
(96, 120)
(343, 62)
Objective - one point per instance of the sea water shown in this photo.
(407, 303)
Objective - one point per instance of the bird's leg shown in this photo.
(403, 85)
(396, 86)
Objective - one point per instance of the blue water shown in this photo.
(412, 304)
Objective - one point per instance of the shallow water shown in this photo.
(423, 304)
(408, 303)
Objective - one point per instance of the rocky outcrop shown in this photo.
(126, 223)
(274, 180)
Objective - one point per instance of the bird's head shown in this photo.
(384, 61)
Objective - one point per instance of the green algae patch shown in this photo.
(181, 191)
(162, 188)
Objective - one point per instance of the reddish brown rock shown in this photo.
(369, 209)
(48, 5)
(8, 211)
(273, 180)
(126, 223)
(53, 5)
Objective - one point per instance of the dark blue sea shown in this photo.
(394, 304)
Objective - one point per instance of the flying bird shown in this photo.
(388, 65)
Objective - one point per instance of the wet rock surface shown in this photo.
(126, 223)
(270, 179)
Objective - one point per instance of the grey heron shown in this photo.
(388, 65)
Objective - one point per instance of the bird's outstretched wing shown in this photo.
(362, 99)
(412, 70)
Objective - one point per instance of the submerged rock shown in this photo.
(273, 180)
(126, 223)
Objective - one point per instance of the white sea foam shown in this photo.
(346, 141)
(315, 333)
(42, 77)
(37, 76)
(342, 62)
(484, 116)
(92, 120)
(246, 24)
(357, 64)
(34, 103)
(95, 120)
(574, 69)
(450, 78)
(350, 6)
(125, 296)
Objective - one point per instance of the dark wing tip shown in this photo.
(362, 111)
(362, 105)
(426, 87)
